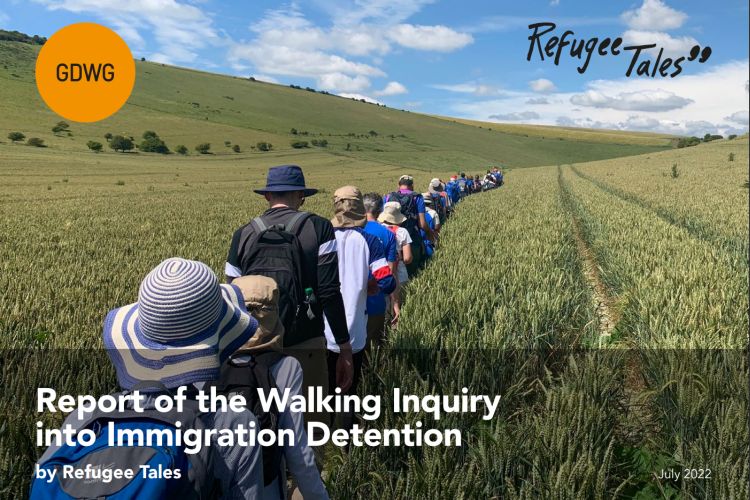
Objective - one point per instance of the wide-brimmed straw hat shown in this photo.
(285, 178)
(349, 209)
(392, 214)
(183, 327)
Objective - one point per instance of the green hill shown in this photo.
(189, 107)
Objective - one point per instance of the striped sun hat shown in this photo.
(183, 327)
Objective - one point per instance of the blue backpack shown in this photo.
(452, 189)
(196, 479)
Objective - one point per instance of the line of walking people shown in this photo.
(304, 299)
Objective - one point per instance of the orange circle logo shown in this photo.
(85, 72)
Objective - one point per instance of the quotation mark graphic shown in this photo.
(705, 53)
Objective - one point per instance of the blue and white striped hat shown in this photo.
(183, 327)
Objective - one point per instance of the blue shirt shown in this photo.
(427, 243)
(376, 303)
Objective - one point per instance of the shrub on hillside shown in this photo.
(300, 144)
(108, 136)
(203, 148)
(732, 136)
(16, 136)
(149, 134)
(227, 143)
(121, 143)
(293, 131)
(154, 145)
(264, 146)
(685, 142)
(712, 137)
(181, 150)
(61, 127)
(322, 143)
(236, 148)
(35, 142)
(94, 146)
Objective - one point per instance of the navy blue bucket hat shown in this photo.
(285, 178)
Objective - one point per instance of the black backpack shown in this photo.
(437, 205)
(276, 252)
(408, 202)
(246, 378)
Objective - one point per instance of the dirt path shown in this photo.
(604, 302)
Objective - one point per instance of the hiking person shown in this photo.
(432, 216)
(453, 191)
(469, 185)
(489, 181)
(433, 221)
(307, 247)
(412, 207)
(477, 184)
(362, 267)
(439, 199)
(264, 351)
(463, 187)
(393, 218)
(179, 332)
(376, 304)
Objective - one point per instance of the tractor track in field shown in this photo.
(695, 228)
(605, 310)
(637, 420)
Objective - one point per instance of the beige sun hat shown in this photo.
(392, 214)
(261, 295)
(349, 209)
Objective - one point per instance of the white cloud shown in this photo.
(678, 46)
(537, 100)
(181, 30)
(265, 78)
(347, 12)
(653, 15)
(352, 95)
(4, 19)
(281, 60)
(515, 117)
(477, 89)
(542, 85)
(433, 38)
(554, 3)
(393, 88)
(287, 43)
(342, 82)
(741, 117)
(644, 100)
(715, 94)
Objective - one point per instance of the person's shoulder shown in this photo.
(286, 371)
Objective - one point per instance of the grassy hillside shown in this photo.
(573, 133)
(188, 107)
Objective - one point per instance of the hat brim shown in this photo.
(286, 189)
(387, 220)
(198, 359)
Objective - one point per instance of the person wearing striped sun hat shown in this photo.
(179, 332)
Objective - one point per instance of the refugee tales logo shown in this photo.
(584, 49)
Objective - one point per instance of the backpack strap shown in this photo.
(296, 222)
(259, 225)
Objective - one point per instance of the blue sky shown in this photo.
(457, 58)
